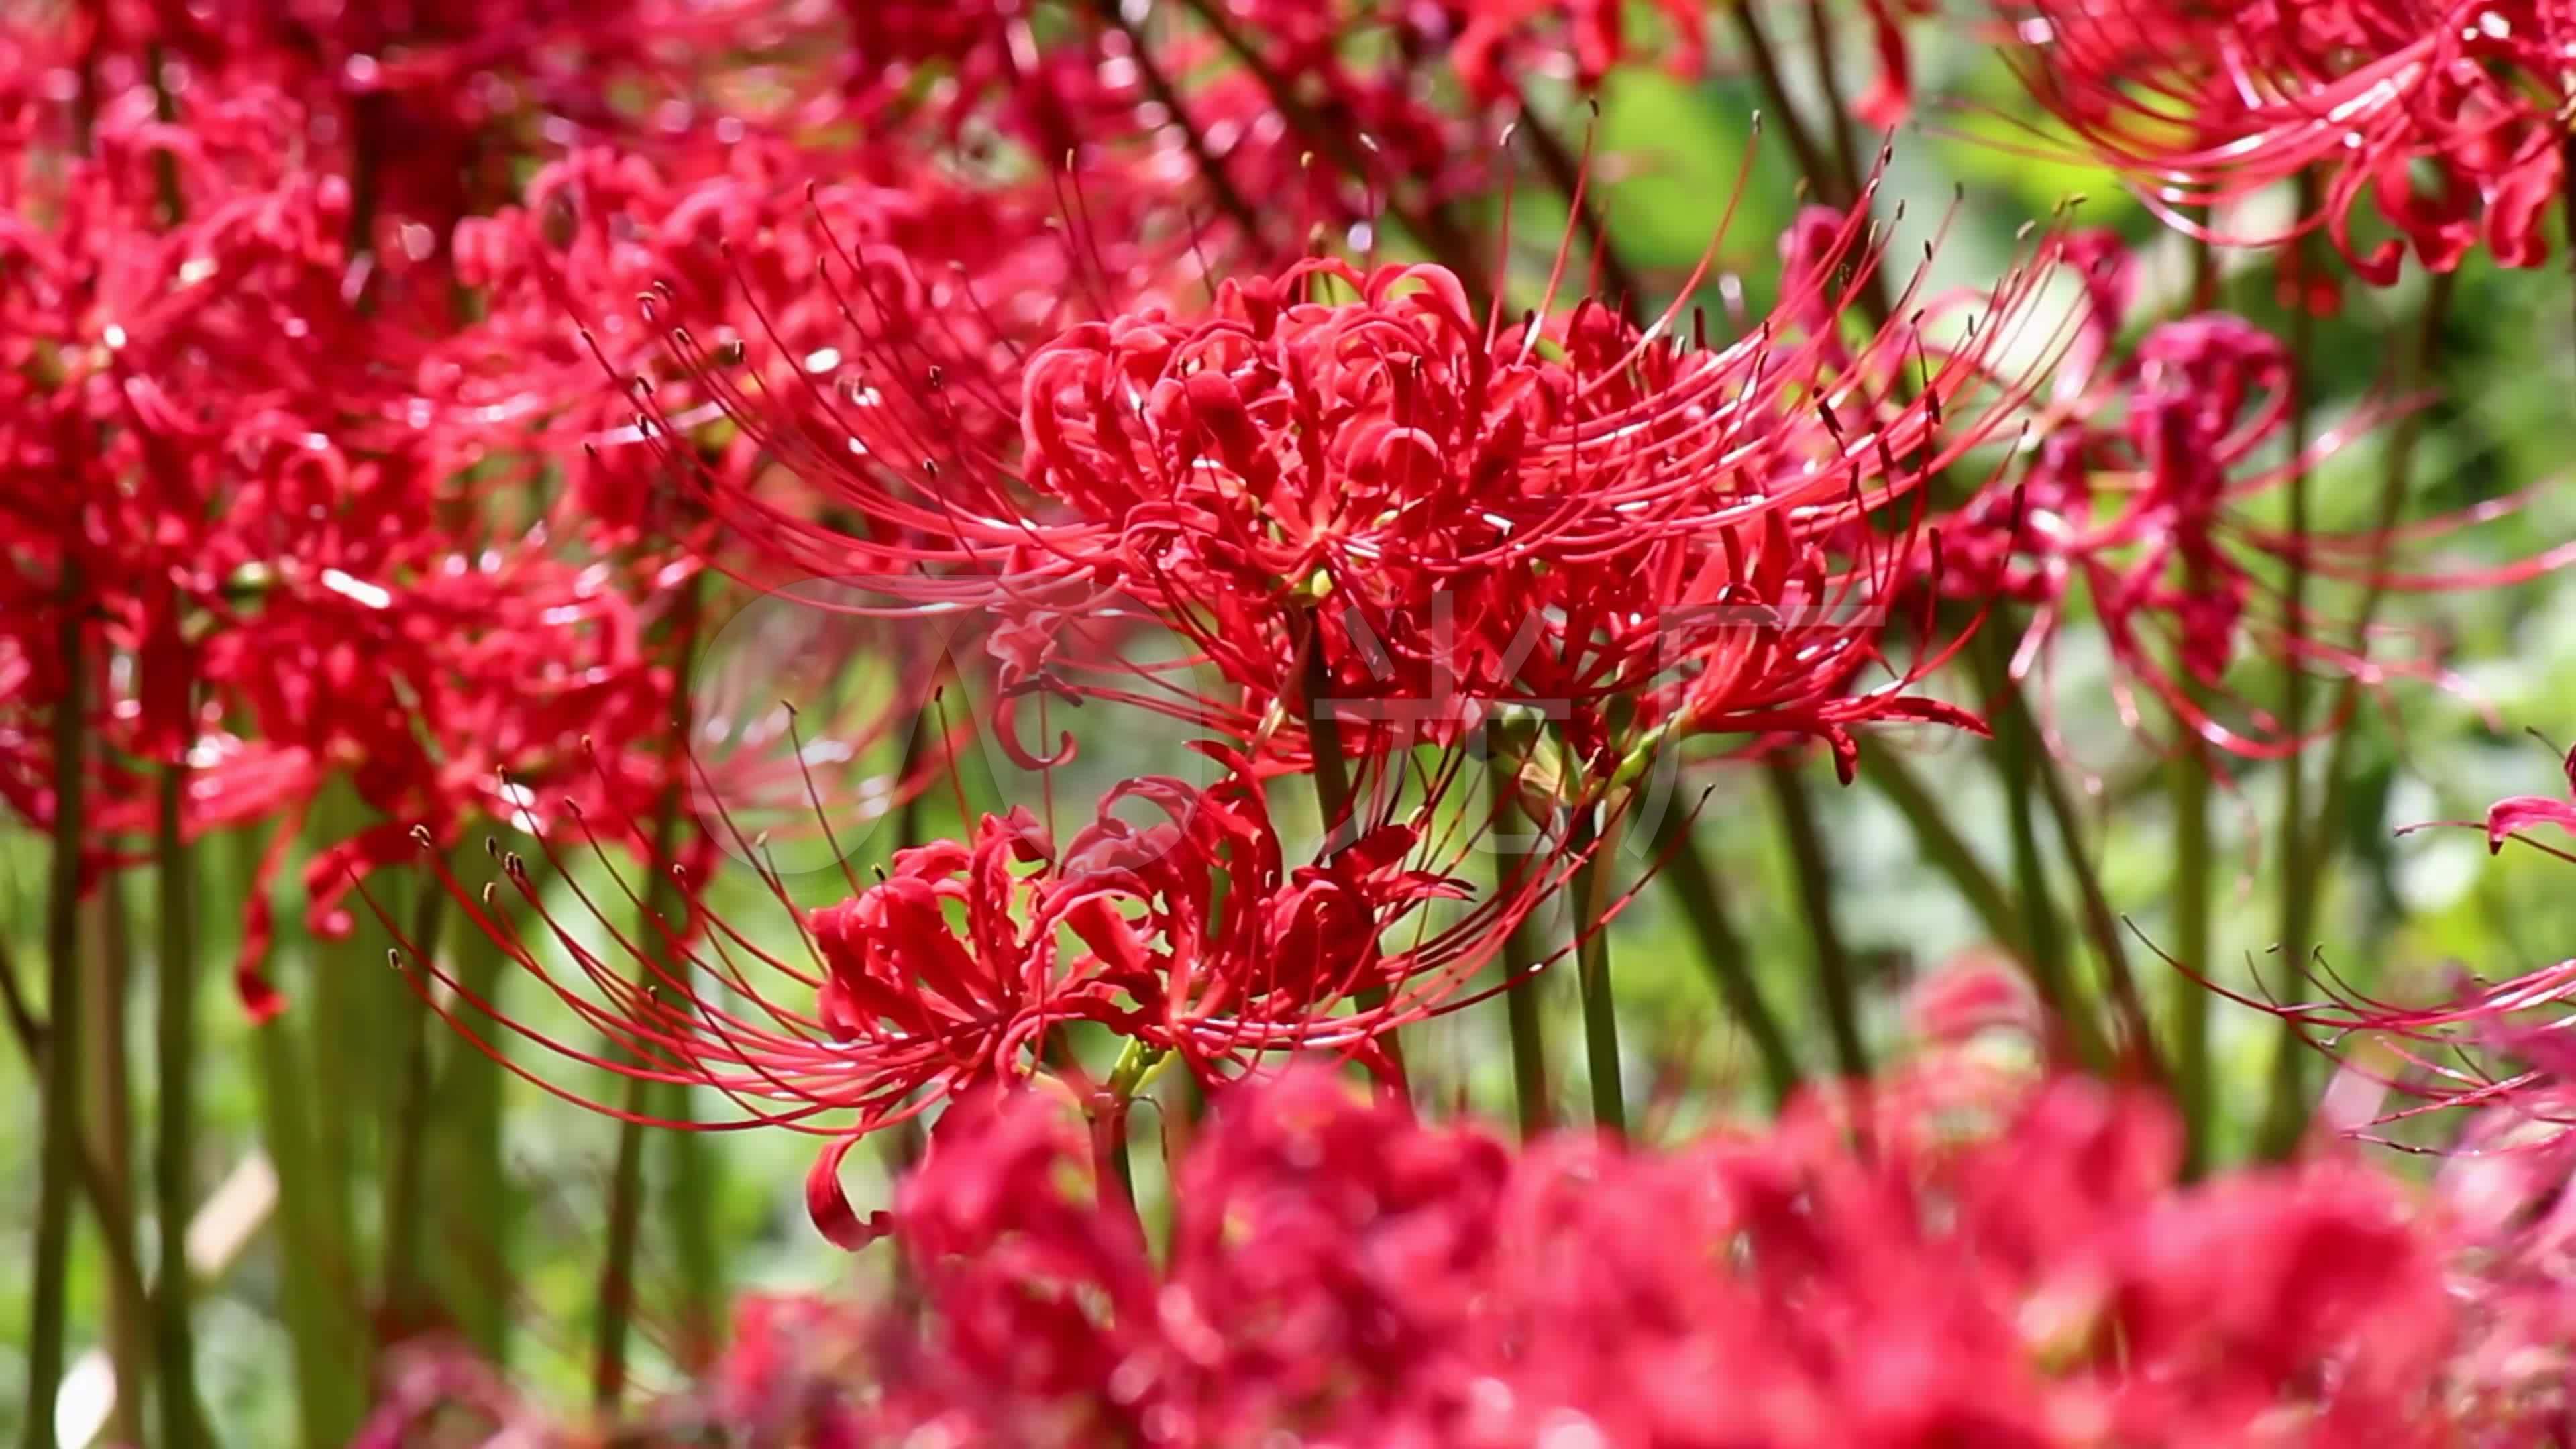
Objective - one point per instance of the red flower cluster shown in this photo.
(1956, 1257)
(2448, 116)
(2139, 507)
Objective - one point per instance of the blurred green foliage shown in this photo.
(2398, 914)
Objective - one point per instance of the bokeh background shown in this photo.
(518, 1252)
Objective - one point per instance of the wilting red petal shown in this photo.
(2506, 817)
(829, 1205)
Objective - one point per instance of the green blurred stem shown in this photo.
(1820, 39)
(2018, 759)
(1111, 1159)
(2189, 1003)
(472, 1244)
(108, 1122)
(2284, 1111)
(318, 1328)
(1523, 1011)
(1722, 951)
(320, 1320)
(174, 1142)
(2311, 847)
(413, 1123)
(2567, 205)
(1836, 988)
(626, 1184)
(2101, 923)
(1592, 888)
(125, 1273)
(1945, 848)
(1810, 157)
(48, 1299)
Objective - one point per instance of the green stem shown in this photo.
(1592, 975)
(174, 1143)
(2284, 1112)
(1947, 850)
(2311, 847)
(2018, 760)
(48, 1299)
(1766, 70)
(1111, 1159)
(472, 1245)
(326, 1406)
(108, 1120)
(1835, 986)
(1523, 1011)
(626, 1184)
(408, 1152)
(2101, 923)
(1722, 951)
(2189, 1002)
(1820, 38)
(124, 1271)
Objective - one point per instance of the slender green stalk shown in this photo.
(2187, 1006)
(108, 1121)
(409, 1149)
(2567, 204)
(2101, 923)
(1836, 988)
(1943, 846)
(476, 1214)
(174, 1142)
(48, 1299)
(626, 1186)
(347, 1067)
(689, 1195)
(320, 1314)
(1523, 1011)
(125, 1274)
(1112, 1162)
(2282, 1115)
(1592, 887)
(1722, 951)
(2310, 850)
(318, 1323)
(2018, 760)
(1829, 83)
(1810, 157)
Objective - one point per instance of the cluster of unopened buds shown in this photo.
(397, 401)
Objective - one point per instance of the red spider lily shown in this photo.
(2135, 502)
(936, 277)
(1350, 471)
(279, 545)
(1191, 935)
(2448, 115)
(446, 85)
(1952, 1257)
